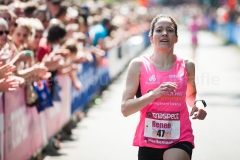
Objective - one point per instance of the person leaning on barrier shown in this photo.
(33, 43)
(70, 66)
(164, 85)
(23, 57)
(49, 46)
(8, 81)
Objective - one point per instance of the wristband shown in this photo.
(28, 53)
(204, 103)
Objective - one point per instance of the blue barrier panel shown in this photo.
(81, 98)
(236, 34)
(92, 78)
(146, 39)
(229, 31)
(104, 77)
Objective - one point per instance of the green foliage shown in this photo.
(111, 1)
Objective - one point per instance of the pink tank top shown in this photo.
(165, 121)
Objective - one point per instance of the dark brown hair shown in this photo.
(155, 19)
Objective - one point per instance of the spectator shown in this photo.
(55, 37)
(70, 66)
(61, 15)
(29, 9)
(8, 82)
(53, 7)
(22, 33)
(18, 8)
(43, 16)
(7, 15)
(99, 32)
(36, 37)
(23, 58)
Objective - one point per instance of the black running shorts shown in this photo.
(146, 153)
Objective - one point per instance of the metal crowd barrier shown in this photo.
(24, 131)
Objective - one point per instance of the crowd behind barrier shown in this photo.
(24, 131)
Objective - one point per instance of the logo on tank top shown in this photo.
(152, 78)
(174, 76)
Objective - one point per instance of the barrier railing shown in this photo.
(24, 131)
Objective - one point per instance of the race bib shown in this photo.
(162, 128)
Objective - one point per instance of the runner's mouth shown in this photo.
(164, 40)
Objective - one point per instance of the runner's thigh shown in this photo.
(175, 154)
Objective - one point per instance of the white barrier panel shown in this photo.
(135, 45)
(120, 57)
(117, 61)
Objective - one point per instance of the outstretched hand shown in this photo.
(8, 84)
(6, 69)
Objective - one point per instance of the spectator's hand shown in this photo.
(6, 69)
(6, 54)
(61, 51)
(87, 56)
(97, 51)
(80, 57)
(74, 67)
(78, 85)
(40, 72)
(9, 83)
(25, 55)
(44, 76)
(53, 63)
(20, 80)
(39, 69)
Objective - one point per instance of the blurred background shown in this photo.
(63, 70)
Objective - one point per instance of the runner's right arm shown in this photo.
(129, 104)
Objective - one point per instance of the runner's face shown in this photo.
(164, 36)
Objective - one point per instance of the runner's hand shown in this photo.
(165, 88)
(198, 113)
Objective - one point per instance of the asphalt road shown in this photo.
(106, 135)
